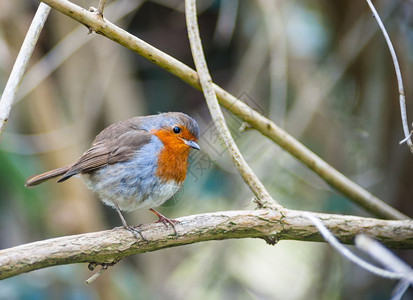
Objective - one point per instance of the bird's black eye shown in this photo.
(176, 129)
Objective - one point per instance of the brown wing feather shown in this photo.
(119, 142)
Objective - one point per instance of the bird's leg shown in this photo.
(134, 231)
(165, 220)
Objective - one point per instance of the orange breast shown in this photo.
(172, 160)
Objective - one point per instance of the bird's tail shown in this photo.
(38, 179)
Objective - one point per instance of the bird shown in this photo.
(135, 164)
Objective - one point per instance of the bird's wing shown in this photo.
(109, 147)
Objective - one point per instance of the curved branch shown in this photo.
(402, 98)
(349, 255)
(205, 79)
(112, 245)
(268, 128)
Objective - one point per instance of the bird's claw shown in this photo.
(165, 221)
(136, 232)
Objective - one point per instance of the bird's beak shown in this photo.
(192, 144)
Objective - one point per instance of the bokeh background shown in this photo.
(320, 69)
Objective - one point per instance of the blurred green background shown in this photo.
(320, 69)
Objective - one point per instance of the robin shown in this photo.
(134, 164)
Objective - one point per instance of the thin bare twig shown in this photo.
(206, 82)
(402, 98)
(95, 276)
(331, 239)
(398, 269)
(384, 256)
(21, 63)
